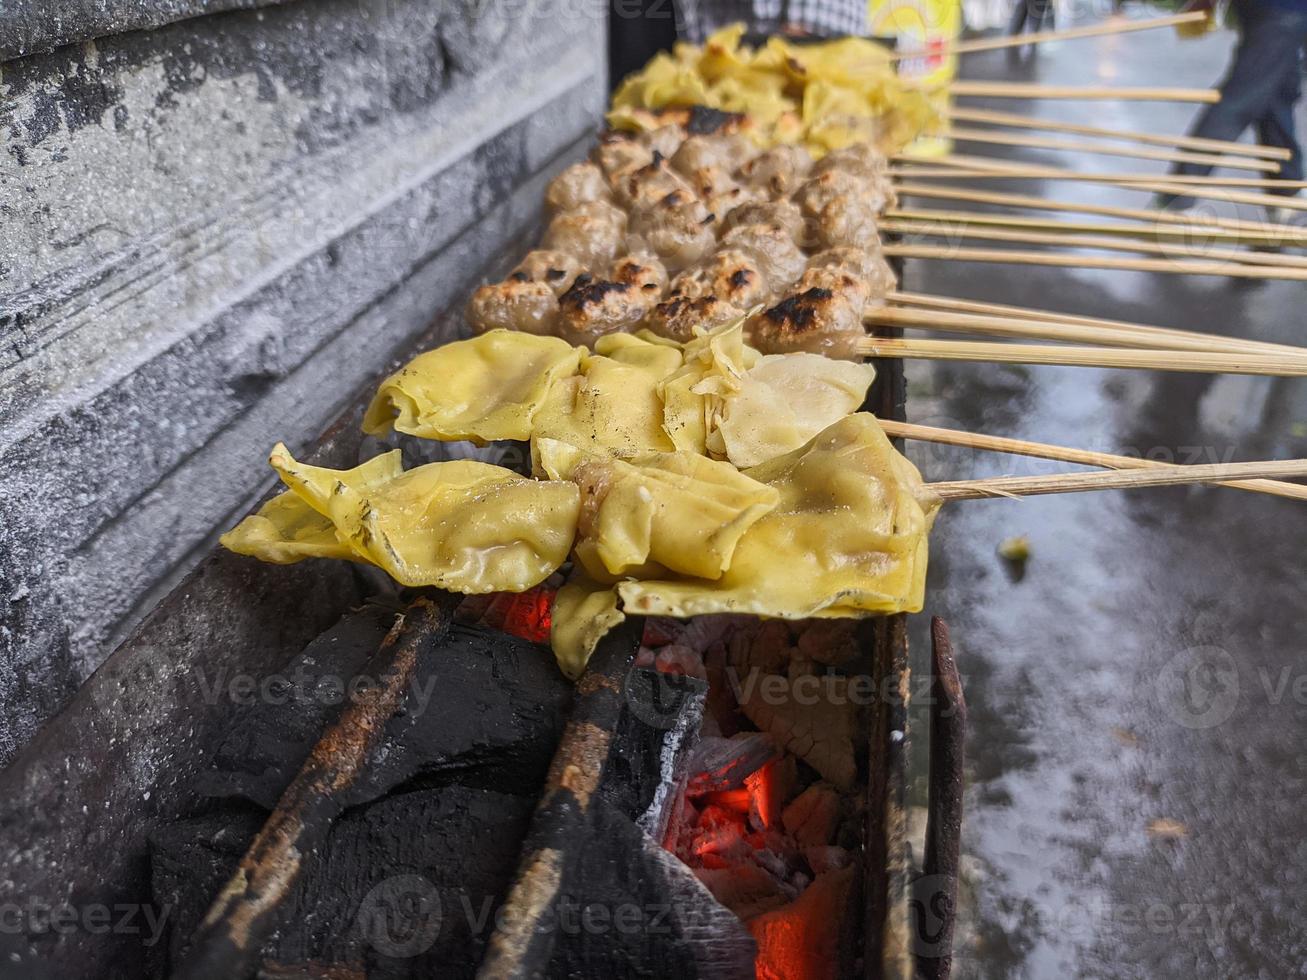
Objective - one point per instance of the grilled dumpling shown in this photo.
(681, 510)
(848, 538)
(782, 402)
(612, 405)
(486, 388)
(464, 526)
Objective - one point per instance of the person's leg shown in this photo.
(1277, 127)
(1270, 39)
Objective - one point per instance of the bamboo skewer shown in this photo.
(1018, 121)
(1040, 450)
(1069, 34)
(1189, 267)
(1198, 222)
(1170, 250)
(1214, 341)
(1167, 232)
(965, 135)
(1025, 486)
(1036, 90)
(1140, 337)
(1102, 357)
(952, 166)
(1185, 186)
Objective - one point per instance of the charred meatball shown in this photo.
(731, 274)
(555, 269)
(515, 304)
(677, 318)
(720, 192)
(647, 185)
(644, 272)
(861, 159)
(772, 248)
(619, 153)
(592, 233)
(782, 212)
(581, 183)
(815, 319)
(867, 265)
(727, 151)
(778, 171)
(664, 141)
(678, 229)
(595, 307)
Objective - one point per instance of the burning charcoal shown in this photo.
(677, 659)
(769, 788)
(815, 720)
(720, 764)
(644, 658)
(805, 937)
(813, 816)
(826, 859)
(829, 641)
(745, 889)
(660, 630)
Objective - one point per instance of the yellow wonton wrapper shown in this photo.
(612, 405)
(693, 397)
(782, 402)
(583, 613)
(464, 526)
(486, 388)
(849, 538)
(681, 510)
(827, 95)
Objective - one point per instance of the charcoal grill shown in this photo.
(235, 826)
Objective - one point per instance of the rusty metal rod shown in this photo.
(244, 913)
(937, 892)
(523, 941)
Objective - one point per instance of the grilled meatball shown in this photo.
(579, 184)
(720, 192)
(647, 185)
(815, 319)
(772, 248)
(678, 229)
(643, 271)
(514, 304)
(677, 317)
(861, 159)
(868, 265)
(619, 153)
(591, 233)
(556, 269)
(782, 212)
(818, 191)
(729, 151)
(778, 171)
(665, 140)
(594, 307)
(730, 274)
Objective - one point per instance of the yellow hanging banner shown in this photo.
(928, 26)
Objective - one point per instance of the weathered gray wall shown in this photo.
(212, 234)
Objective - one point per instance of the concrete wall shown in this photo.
(213, 233)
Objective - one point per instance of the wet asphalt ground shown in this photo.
(1137, 802)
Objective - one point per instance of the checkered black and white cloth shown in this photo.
(824, 18)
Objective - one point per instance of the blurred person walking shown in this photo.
(1260, 89)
